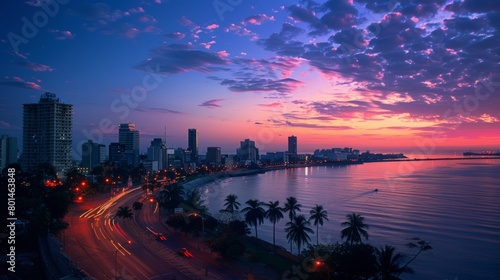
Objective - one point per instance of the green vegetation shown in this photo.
(355, 228)
(351, 259)
(124, 212)
(229, 241)
(291, 207)
(254, 213)
(42, 200)
(297, 231)
(318, 216)
(274, 214)
(231, 203)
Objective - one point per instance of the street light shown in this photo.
(320, 263)
(202, 224)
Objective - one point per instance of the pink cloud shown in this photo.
(147, 19)
(212, 26)
(257, 19)
(208, 44)
(176, 36)
(20, 83)
(223, 53)
(238, 30)
(152, 29)
(272, 105)
(63, 34)
(185, 21)
(131, 32)
(33, 66)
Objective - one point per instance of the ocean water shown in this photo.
(452, 204)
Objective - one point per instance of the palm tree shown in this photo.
(195, 201)
(231, 203)
(417, 244)
(171, 196)
(355, 228)
(388, 264)
(292, 207)
(274, 213)
(124, 212)
(298, 231)
(254, 213)
(318, 215)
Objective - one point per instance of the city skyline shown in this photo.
(332, 73)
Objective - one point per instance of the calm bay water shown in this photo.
(453, 204)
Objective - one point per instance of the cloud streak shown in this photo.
(214, 103)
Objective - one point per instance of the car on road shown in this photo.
(160, 237)
(184, 252)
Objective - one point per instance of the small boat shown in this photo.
(376, 190)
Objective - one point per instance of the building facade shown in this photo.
(157, 152)
(193, 143)
(47, 133)
(247, 152)
(213, 155)
(8, 151)
(117, 154)
(93, 154)
(292, 145)
(129, 137)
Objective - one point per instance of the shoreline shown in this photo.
(430, 159)
(206, 179)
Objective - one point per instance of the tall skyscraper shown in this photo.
(193, 143)
(8, 151)
(158, 152)
(292, 145)
(47, 133)
(213, 155)
(247, 151)
(93, 155)
(129, 137)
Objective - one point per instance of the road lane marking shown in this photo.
(102, 234)
(95, 232)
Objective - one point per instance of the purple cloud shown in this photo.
(214, 103)
(261, 85)
(257, 19)
(157, 110)
(20, 83)
(175, 58)
(63, 34)
(33, 66)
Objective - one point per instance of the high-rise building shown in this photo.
(117, 153)
(247, 151)
(129, 137)
(158, 152)
(213, 155)
(47, 133)
(193, 143)
(8, 151)
(93, 155)
(292, 145)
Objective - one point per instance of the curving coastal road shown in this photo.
(108, 247)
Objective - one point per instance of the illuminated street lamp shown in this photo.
(202, 224)
(319, 263)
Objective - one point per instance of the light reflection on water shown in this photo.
(452, 204)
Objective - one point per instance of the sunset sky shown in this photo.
(379, 75)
